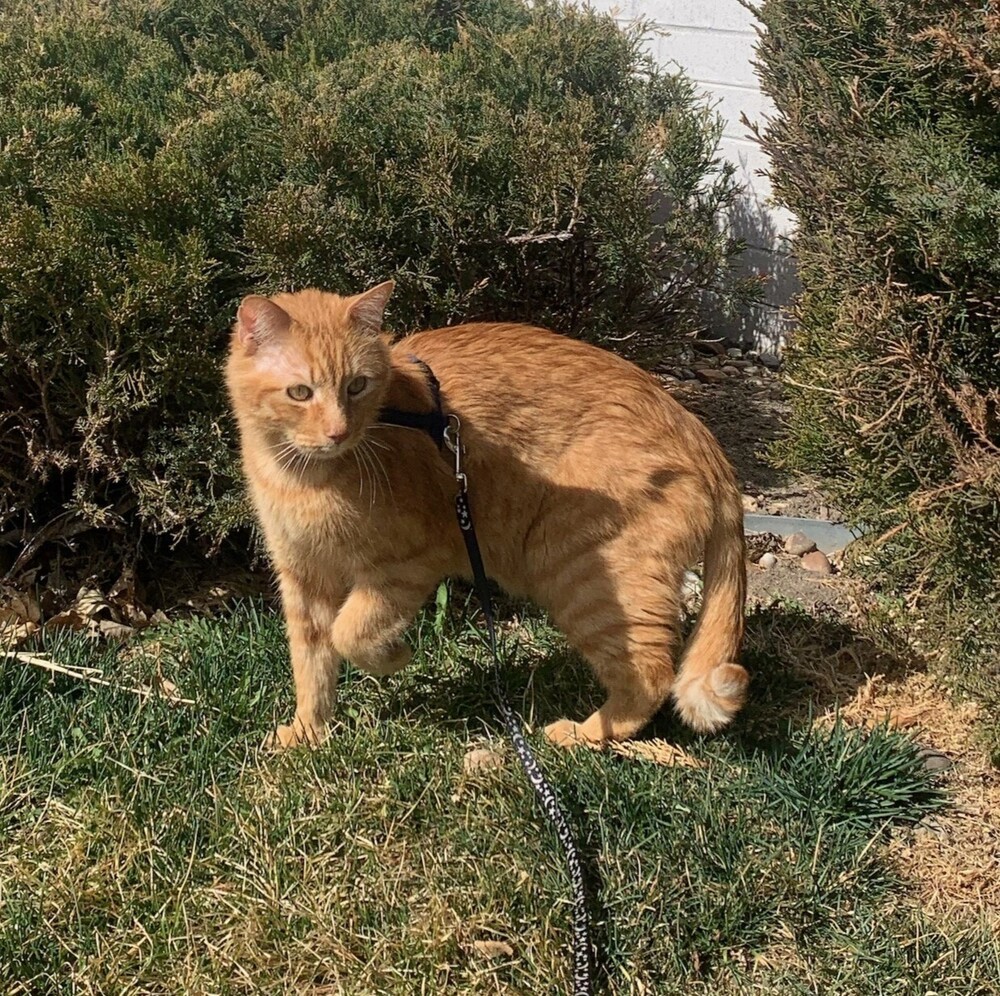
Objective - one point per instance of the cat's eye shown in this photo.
(356, 386)
(300, 392)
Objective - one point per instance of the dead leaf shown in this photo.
(14, 627)
(112, 630)
(90, 603)
(167, 689)
(70, 619)
(26, 607)
(135, 616)
(493, 949)
(123, 590)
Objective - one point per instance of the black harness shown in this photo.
(434, 423)
(445, 430)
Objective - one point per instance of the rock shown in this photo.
(798, 543)
(750, 504)
(481, 759)
(710, 376)
(687, 373)
(933, 760)
(739, 364)
(734, 353)
(712, 347)
(767, 561)
(817, 563)
(755, 382)
(770, 360)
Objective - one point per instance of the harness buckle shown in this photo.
(453, 440)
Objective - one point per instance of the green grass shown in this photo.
(156, 849)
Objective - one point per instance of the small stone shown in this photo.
(817, 563)
(767, 561)
(750, 503)
(481, 759)
(687, 373)
(710, 376)
(770, 360)
(933, 760)
(798, 543)
(734, 353)
(713, 347)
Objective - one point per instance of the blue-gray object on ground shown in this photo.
(828, 536)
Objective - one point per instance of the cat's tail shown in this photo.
(711, 685)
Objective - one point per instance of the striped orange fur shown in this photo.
(592, 491)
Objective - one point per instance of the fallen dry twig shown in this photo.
(92, 675)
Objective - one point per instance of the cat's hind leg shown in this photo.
(628, 642)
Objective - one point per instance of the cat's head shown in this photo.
(310, 370)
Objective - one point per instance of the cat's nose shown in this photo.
(336, 435)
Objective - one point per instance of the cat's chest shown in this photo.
(308, 521)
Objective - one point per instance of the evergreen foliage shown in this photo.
(886, 145)
(497, 159)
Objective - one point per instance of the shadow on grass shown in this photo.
(802, 665)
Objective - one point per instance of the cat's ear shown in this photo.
(365, 310)
(259, 321)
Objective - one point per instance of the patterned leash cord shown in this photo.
(583, 982)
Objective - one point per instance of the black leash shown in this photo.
(446, 430)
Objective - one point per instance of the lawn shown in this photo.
(155, 848)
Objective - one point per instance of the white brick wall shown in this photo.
(712, 41)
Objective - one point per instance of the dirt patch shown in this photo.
(953, 860)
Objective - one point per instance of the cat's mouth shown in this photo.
(292, 452)
(323, 451)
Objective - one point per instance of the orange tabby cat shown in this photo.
(592, 491)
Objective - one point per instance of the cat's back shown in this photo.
(504, 364)
(521, 376)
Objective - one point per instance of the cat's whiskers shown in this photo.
(365, 459)
(292, 460)
(357, 462)
(377, 442)
(377, 462)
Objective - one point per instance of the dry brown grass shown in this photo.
(954, 861)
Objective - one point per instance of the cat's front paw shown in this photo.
(565, 733)
(294, 735)
(394, 658)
